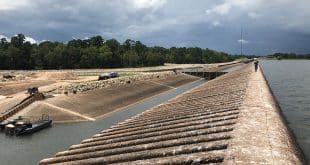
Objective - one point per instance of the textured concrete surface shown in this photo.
(94, 104)
(232, 119)
(260, 135)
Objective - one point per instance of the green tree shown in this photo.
(115, 47)
(96, 41)
(131, 59)
(18, 40)
(89, 58)
(4, 57)
(154, 58)
(5, 60)
(193, 55)
(105, 56)
(4, 44)
(42, 55)
(94, 53)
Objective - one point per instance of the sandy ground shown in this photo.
(69, 74)
(94, 104)
(44, 80)
(9, 88)
(87, 105)
(166, 66)
(6, 103)
(14, 91)
(52, 78)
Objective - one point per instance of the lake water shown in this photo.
(31, 149)
(290, 83)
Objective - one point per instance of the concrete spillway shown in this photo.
(232, 119)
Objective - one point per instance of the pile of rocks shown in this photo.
(11, 77)
(91, 85)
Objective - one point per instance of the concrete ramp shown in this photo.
(24, 103)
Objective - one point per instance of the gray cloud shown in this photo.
(270, 26)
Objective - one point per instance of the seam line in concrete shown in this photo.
(69, 111)
(162, 84)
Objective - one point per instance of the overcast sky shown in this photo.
(269, 25)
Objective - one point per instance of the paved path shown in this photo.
(260, 136)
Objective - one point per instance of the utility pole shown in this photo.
(241, 42)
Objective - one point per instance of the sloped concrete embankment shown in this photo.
(94, 104)
(204, 125)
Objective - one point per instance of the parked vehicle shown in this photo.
(8, 76)
(32, 90)
(106, 76)
(114, 75)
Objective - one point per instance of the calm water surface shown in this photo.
(31, 149)
(290, 83)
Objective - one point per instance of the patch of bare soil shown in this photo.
(7, 103)
(54, 76)
(9, 88)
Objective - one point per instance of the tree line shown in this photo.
(289, 56)
(97, 52)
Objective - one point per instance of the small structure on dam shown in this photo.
(232, 119)
(204, 74)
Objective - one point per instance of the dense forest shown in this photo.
(289, 56)
(96, 52)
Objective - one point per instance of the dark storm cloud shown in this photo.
(269, 26)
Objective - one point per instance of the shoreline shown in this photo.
(262, 134)
(285, 121)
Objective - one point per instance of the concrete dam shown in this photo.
(232, 119)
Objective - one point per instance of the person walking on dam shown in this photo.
(256, 65)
